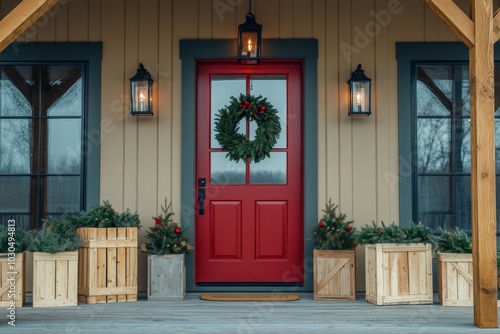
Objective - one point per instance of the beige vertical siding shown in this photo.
(140, 157)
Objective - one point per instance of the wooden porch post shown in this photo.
(479, 36)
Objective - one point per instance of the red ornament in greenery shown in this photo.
(177, 230)
(158, 221)
(333, 232)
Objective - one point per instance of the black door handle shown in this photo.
(201, 199)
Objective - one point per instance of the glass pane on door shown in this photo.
(274, 89)
(222, 88)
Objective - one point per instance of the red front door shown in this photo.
(252, 227)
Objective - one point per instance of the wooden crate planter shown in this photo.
(455, 280)
(6, 272)
(399, 274)
(166, 277)
(55, 279)
(334, 275)
(108, 265)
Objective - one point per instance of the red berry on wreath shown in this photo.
(321, 224)
(263, 108)
(241, 105)
(177, 230)
(262, 112)
(348, 228)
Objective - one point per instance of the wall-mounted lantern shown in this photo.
(141, 92)
(249, 39)
(359, 93)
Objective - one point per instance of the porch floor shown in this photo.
(193, 315)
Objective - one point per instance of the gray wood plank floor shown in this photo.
(193, 315)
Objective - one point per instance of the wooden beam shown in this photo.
(455, 18)
(21, 18)
(483, 185)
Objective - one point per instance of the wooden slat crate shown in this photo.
(108, 265)
(455, 279)
(334, 275)
(399, 274)
(6, 272)
(166, 277)
(55, 279)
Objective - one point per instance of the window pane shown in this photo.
(63, 194)
(18, 90)
(433, 144)
(434, 90)
(497, 148)
(274, 89)
(63, 146)
(225, 171)
(462, 203)
(15, 194)
(270, 170)
(434, 201)
(223, 87)
(63, 90)
(461, 132)
(462, 87)
(15, 146)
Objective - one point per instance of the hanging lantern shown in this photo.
(360, 93)
(141, 92)
(249, 40)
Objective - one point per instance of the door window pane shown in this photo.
(222, 88)
(274, 89)
(270, 170)
(225, 171)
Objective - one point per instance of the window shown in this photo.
(46, 112)
(435, 162)
(41, 108)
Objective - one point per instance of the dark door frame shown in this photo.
(305, 49)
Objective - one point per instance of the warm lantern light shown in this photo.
(141, 92)
(360, 93)
(249, 40)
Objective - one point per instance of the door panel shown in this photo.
(251, 230)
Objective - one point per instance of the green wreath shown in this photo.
(255, 109)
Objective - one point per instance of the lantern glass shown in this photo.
(249, 46)
(141, 92)
(360, 93)
(360, 98)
